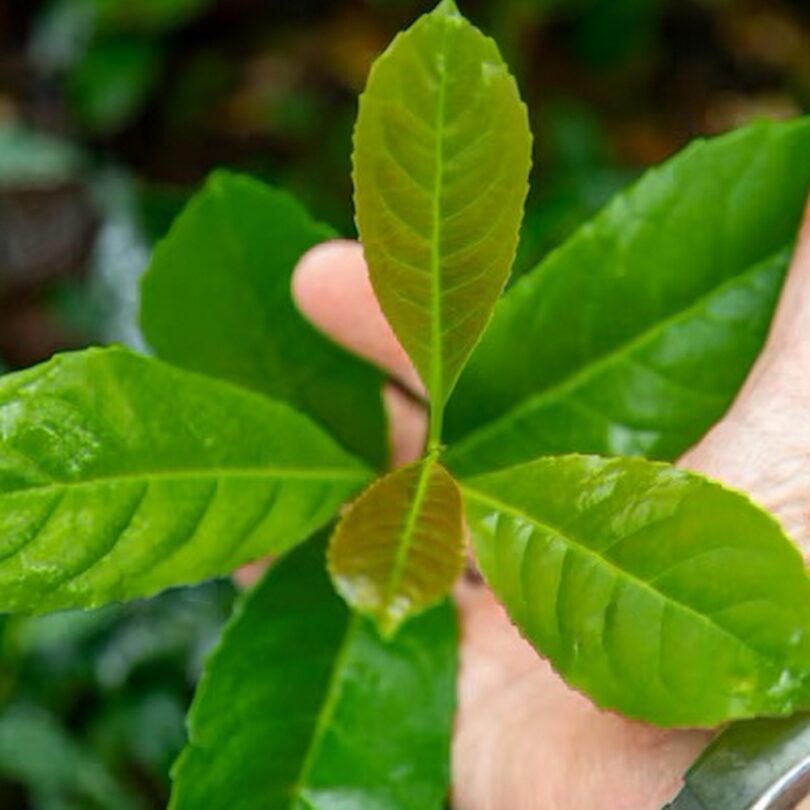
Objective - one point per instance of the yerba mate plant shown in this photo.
(659, 593)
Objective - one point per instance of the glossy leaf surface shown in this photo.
(303, 706)
(655, 591)
(635, 335)
(121, 476)
(400, 546)
(751, 761)
(217, 299)
(442, 151)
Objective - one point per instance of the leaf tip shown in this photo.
(448, 8)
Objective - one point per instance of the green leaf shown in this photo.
(634, 337)
(655, 591)
(442, 152)
(121, 476)
(400, 547)
(747, 762)
(229, 259)
(304, 707)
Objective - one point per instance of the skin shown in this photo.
(524, 740)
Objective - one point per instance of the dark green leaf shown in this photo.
(634, 337)
(121, 476)
(112, 81)
(217, 299)
(304, 707)
(655, 591)
(748, 762)
(442, 152)
(146, 15)
(400, 547)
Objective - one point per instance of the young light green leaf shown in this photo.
(751, 761)
(303, 705)
(229, 259)
(400, 546)
(657, 592)
(634, 336)
(442, 152)
(121, 476)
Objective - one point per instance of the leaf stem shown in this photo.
(434, 441)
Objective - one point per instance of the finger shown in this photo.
(789, 332)
(332, 288)
(409, 425)
(804, 233)
(249, 574)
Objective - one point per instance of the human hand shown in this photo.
(524, 740)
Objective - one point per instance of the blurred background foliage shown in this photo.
(112, 111)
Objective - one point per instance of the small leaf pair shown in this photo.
(441, 163)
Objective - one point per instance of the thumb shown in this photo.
(332, 288)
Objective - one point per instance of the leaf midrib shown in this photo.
(406, 538)
(296, 473)
(437, 363)
(621, 573)
(596, 366)
(327, 711)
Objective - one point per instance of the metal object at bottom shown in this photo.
(752, 765)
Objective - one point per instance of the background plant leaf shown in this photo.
(657, 592)
(149, 16)
(112, 685)
(121, 476)
(229, 258)
(302, 704)
(400, 546)
(63, 775)
(113, 79)
(746, 761)
(635, 335)
(442, 151)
